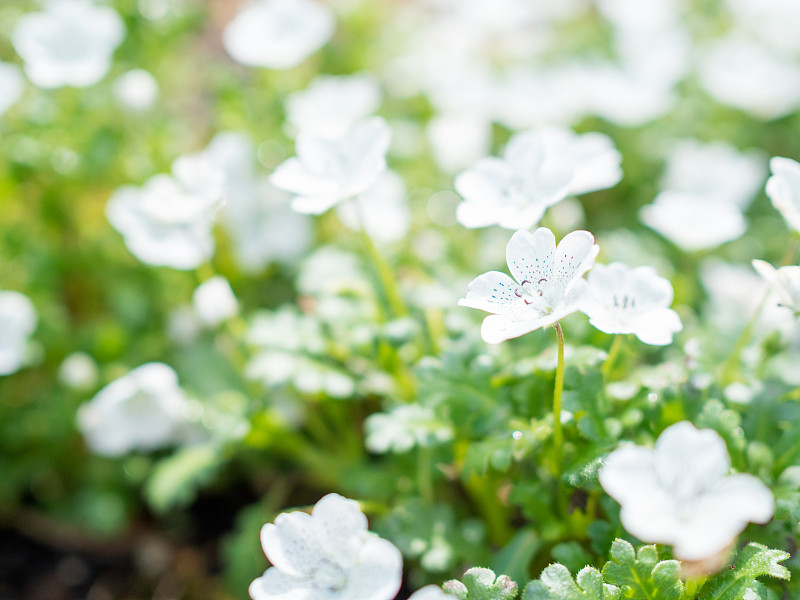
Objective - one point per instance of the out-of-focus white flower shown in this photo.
(773, 21)
(626, 300)
(168, 221)
(214, 301)
(382, 207)
(744, 75)
(278, 34)
(513, 191)
(263, 227)
(78, 371)
(458, 140)
(17, 322)
(136, 90)
(714, 169)
(327, 554)
(331, 105)
(143, 410)
(680, 493)
(403, 428)
(69, 43)
(430, 592)
(693, 222)
(12, 84)
(783, 188)
(326, 171)
(785, 282)
(549, 285)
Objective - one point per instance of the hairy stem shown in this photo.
(558, 433)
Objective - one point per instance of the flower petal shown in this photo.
(530, 256)
(497, 293)
(499, 328)
(276, 585)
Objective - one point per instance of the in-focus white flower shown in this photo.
(327, 554)
(680, 493)
(714, 169)
(136, 90)
(626, 300)
(383, 208)
(12, 85)
(327, 170)
(513, 191)
(278, 34)
(694, 222)
(168, 221)
(403, 428)
(214, 301)
(785, 282)
(549, 285)
(331, 105)
(69, 43)
(17, 322)
(143, 410)
(742, 74)
(783, 188)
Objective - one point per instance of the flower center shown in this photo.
(329, 576)
(542, 295)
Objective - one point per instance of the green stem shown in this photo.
(558, 434)
(732, 363)
(613, 352)
(425, 473)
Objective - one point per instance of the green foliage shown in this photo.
(740, 581)
(639, 574)
(556, 583)
(176, 478)
(479, 583)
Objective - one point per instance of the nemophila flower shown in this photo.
(693, 221)
(383, 208)
(430, 592)
(680, 493)
(548, 283)
(168, 221)
(626, 300)
(331, 105)
(278, 34)
(262, 226)
(214, 302)
(783, 188)
(69, 43)
(12, 84)
(515, 190)
(785, 282)
(136, 90)
(773, 21)
(328, 554)
(78, 371)
(403, 428)
(143, 410)
(17, 322)
(327, 170)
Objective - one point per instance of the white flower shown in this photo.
(168, 220)
(12, 85)
(785, 282)
(513, 191)
(214, 302)
(328, 554)
(331, 105)
(69, 43)
(78, 371)
(458, 140)
(549, 285)
(326, 171)
(403, 428)
(430, 592)
(17, 322)
(383, 208)
(136, 90)
(680, 493)
(783, 188)
(714, 169)
(693, 221)
(626, 300)
(143, 410)
(278, 34)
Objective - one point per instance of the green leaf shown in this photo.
(556, 583)
(740, 582)
(176, 479)
(641, 575)
(479, 583)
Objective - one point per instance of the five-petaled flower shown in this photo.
(785, 282)
(680, 492)
(328, 554)
(549, 285)
(783, 188)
